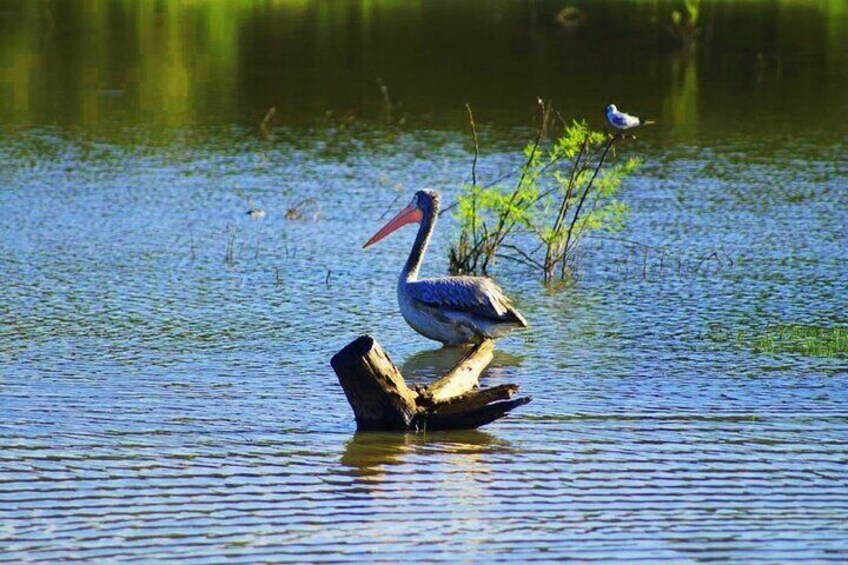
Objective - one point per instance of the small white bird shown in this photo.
(621, 121)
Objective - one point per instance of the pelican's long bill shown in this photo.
(409, 215)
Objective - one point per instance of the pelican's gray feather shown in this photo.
(475, 295)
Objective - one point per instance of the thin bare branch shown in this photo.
(476, 145)
(503, 229)
(473, 173)
(520, 260)
(524, 255)
(568, 236)
(566, 202)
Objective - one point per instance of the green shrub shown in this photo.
(566, 190)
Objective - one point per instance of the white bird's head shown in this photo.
(611, 109)
(424, 204)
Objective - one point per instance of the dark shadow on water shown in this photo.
(370, 455)
(425, 366)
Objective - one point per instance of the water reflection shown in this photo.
(176, 64)
(680, 106)
(369, 455)
(428, 364)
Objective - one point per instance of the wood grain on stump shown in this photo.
(380, 399)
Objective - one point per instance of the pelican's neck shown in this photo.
(416, 256)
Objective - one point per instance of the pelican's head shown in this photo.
(423, 204)
(611, 109)
(426, 200)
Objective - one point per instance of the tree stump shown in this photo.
(381, 400)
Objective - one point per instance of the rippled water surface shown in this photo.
(165, 389)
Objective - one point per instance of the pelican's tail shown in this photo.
(516, 318)
(646, 122)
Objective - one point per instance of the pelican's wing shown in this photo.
(475, 295)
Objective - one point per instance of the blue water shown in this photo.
(165, 388)
(162, 402)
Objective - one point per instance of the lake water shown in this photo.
(165, 388)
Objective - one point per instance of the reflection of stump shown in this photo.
(368, 455)
(381, 400)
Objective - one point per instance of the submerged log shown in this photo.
(381, 400)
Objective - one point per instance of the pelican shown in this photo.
(453, 310)
(623, 122)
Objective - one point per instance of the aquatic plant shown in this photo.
(801, 339)
(230, 256)
(267, 123)
(797, 339)
(566, 189)
(308, 208)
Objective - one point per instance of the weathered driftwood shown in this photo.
(374, 386)
(464, 376)
(381, 400)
